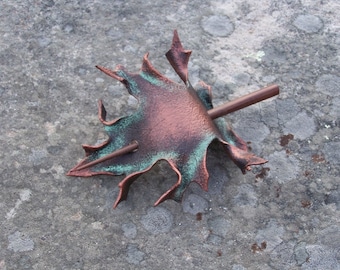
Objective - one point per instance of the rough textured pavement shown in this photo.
(284, 215)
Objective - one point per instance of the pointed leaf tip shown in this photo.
(110, 73)
(148, 68)
(179, 58)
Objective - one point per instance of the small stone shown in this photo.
(282, 256)
(334, 197)
(330, 236)
(287, 109)
(217, 178)
(44, 41)
(99, 80)
(129, 230)
(54, 149)
(274, 55)
(194, 204)
(48, 3)
(300, 253)
(308, 23)
(218, 26)
(301, 126)
(97, 225)
(269, 114)
(68, 28)
(214, 239)
(246, 196)
(219, 225)
(271, 235)
(25, 194)
(134, 255)
(242, 79)
(249, 128)
(133, 102)
(38, 156)
(238, 267)
(283, 168)
(332, 152)
(81, 70)
(24, 262)
(328, 84)
(114, 34)
(320, 258)
(20, 242)
(157, 220)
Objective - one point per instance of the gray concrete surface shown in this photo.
(282, 216)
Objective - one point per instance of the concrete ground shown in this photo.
(283, 215)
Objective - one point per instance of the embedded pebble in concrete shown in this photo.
(283, 168)
(308, 23)
(300, 253)
(38, 156)
(99, 80)
(25, 195)
(195, 204)
(320, 258)
(245, 196)
(217, 178)
(328, 84)
(271, 234)
(132, 102)
(287, 109)
(23, 262)
(214, 239)
(334, 197)
(253, 133)
(218, 26)
(114, 34)
(332, 152)
(269, 114)
(69, 28)
(238, 267)
(282, 256)
(251, 130)
(242, 79)
(157, 220)
(44, 41)
(54, 150)
(248, 127)
(274, 55)
(330, 236)
(129, 230)
(20, 242)
(302, 126)
(134, 255)
(218, 225)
